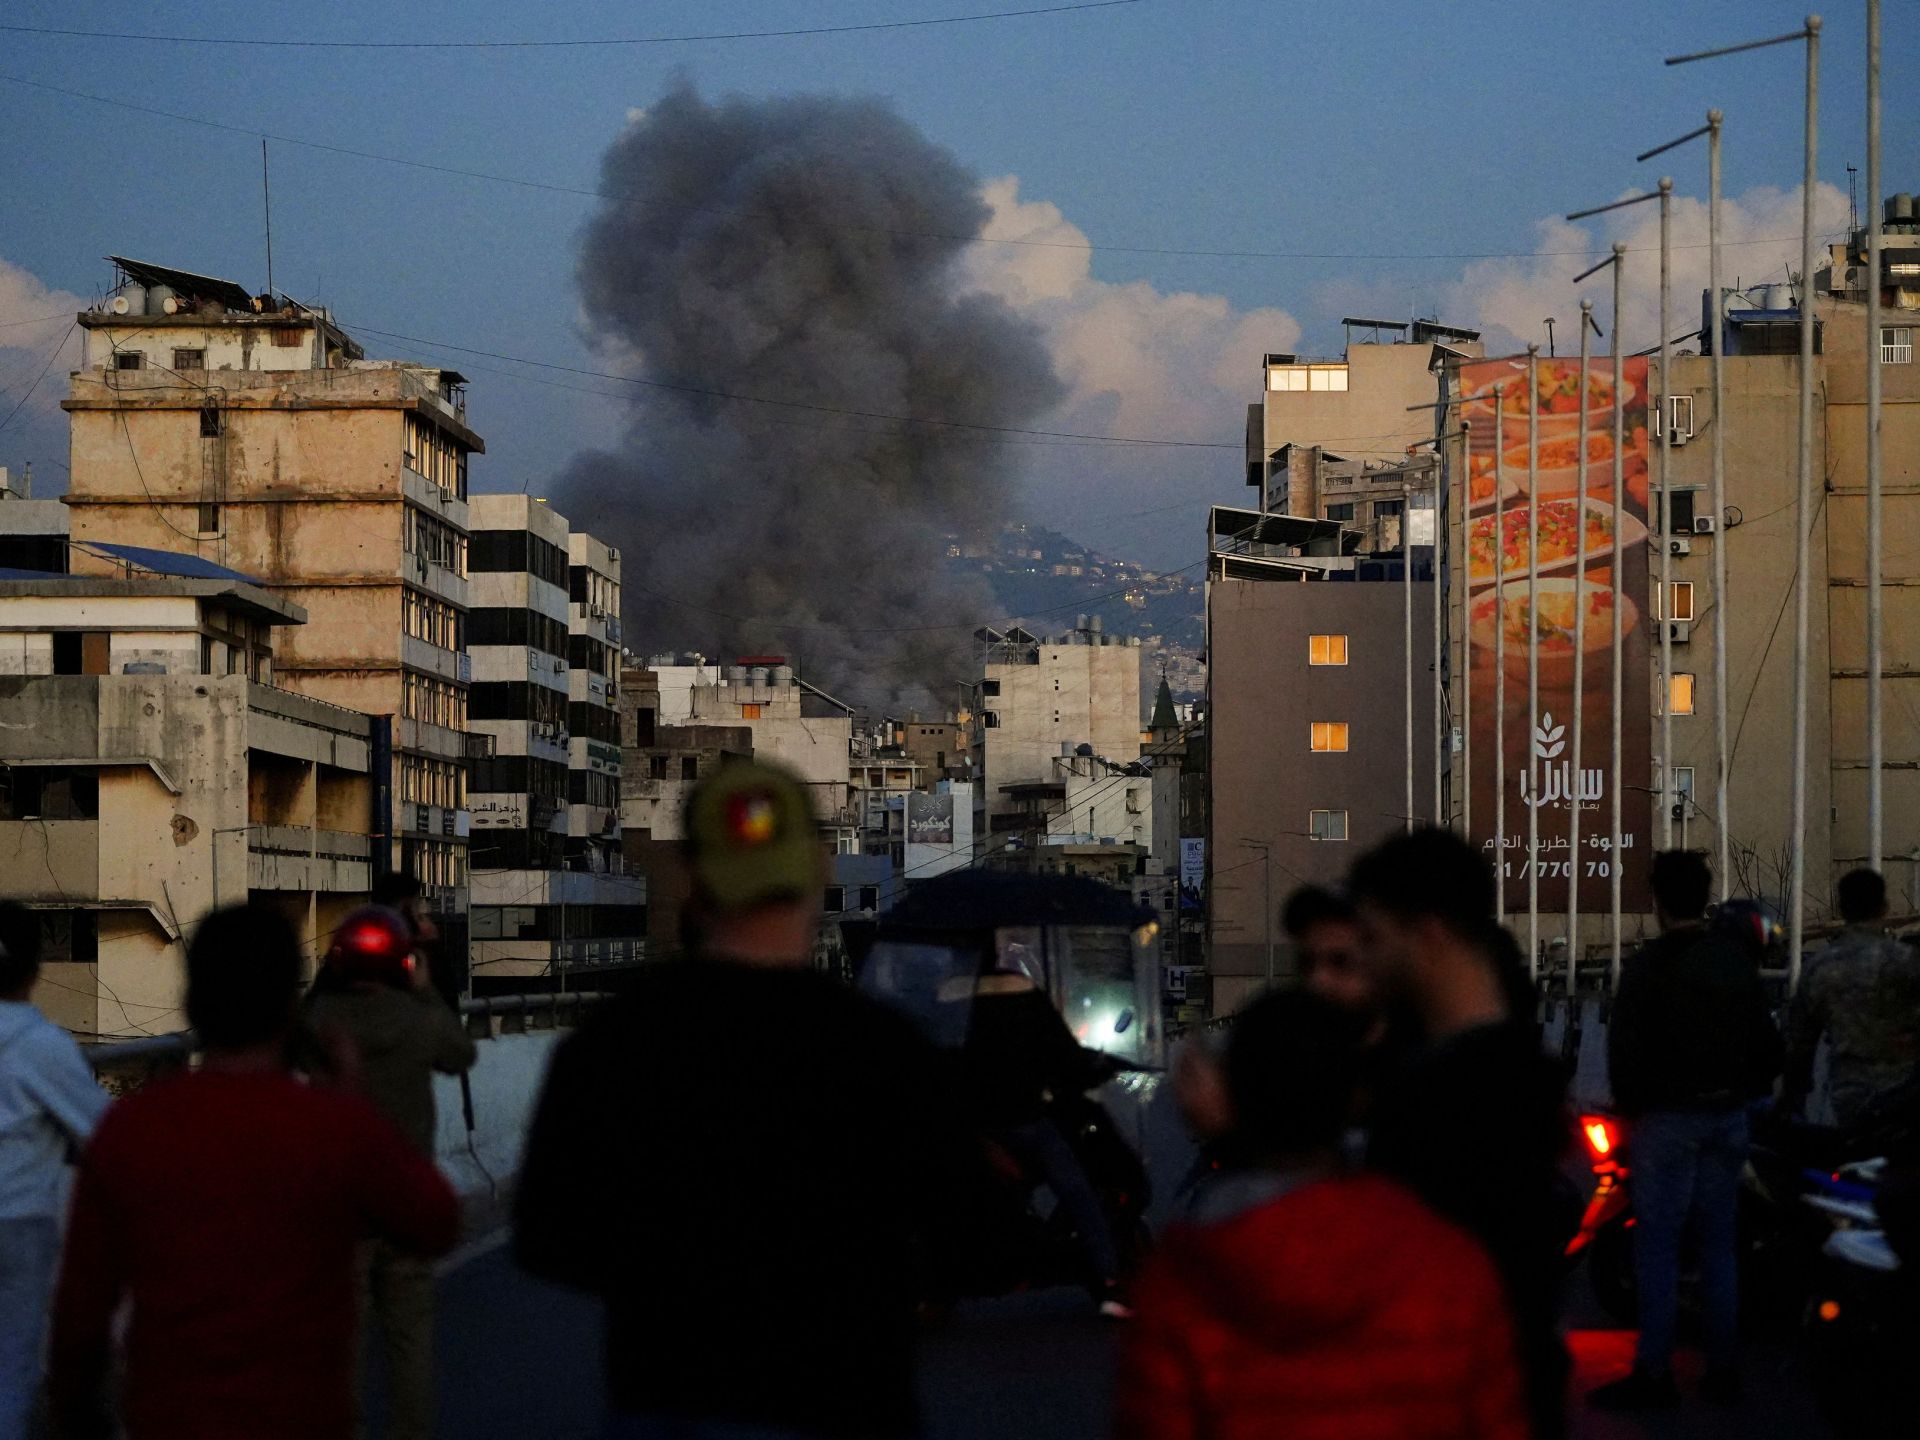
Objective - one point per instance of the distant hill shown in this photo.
(1048, 581)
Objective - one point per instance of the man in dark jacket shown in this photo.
(1474, 1120)
(1690, 1045)
(399, 1035)
(739, 1155)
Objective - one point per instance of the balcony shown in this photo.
(295, 858)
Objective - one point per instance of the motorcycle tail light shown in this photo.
(1602, 1136)
(1829, 1310)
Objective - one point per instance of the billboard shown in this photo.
(1503, 609)
(1193, 874)
(929, 818)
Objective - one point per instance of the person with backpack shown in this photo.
(1691, 1044)
(49, 1104)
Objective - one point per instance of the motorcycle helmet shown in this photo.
(373, 943)
(1748, 922)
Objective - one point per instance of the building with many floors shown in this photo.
(252, 431)
(152, 769)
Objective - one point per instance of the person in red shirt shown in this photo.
(1304, 1300)
(226, 1204)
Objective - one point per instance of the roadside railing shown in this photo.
(130, 1063)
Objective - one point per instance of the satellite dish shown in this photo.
(120, 305)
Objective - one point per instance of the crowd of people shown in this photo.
(754, 1166)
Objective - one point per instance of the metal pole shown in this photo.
(1440, 728)
(1466, 633)
(1876, 615)
(1723, 821)
(1499, 652)
(1665, 608)
(1579, 660)
(1266, 904)
(1533, 658)
(1406, 590)
(1803, 559)
(1616, 851)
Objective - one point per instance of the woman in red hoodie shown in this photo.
(1299, 1300)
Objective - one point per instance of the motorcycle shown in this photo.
(1860, 1326)
(1778, 1237)
(1088, 949)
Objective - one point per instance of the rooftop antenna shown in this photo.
(1550, 349)
(1853, 199)
(266, 195)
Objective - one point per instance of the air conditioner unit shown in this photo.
(1680, 631)
(1679, 545)
(1676, 437)
(1705, 524)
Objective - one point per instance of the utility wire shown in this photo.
(586, 43)
(551, 187)
(52, 355)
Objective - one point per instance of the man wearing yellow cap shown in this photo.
(739, 1156)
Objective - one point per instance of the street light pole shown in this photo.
(1575, 797)
(1665, 608)
(1876, 616)
(1803, 557)
(1499, 652)
(1533, 656)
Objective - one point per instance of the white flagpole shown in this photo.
(1499, 655)
(1533, 654)
(1579, 661)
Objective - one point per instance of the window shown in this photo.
(208, 519)
(645, 720)
(689, 767)
(1342, 511)
(1683, 782)
(1383, 508)
(81, 652)
(1327, 824)
(1680, 512)
(657, 767)
(989, 720)
(1307, 377)
(211, 424)
(1329, 735)
(1896, 344)
(1680, 416)
(129, 360)
(1680, 600)
(288, 337)
(989, 687)
(1681, 692)
(749, 712)
(189, 359)
(1326, 649)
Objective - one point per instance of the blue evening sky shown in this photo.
(1352, 126)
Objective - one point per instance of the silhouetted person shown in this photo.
(1304, 1300)
(738, 1154)
(225, 1205)
(1325, 933)
(1690, 1045)
(375, 992)
(1862, 993)
(1474, 1118)
(49, 1104)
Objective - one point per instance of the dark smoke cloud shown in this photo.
(801, 249)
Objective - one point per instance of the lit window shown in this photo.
(1680, 606)
(1287, 377)
(1329, 734)
(1326, 649)
(749, 712)
(1681, 691)
(1327, 377)
(1327, 824)
(1896, 345)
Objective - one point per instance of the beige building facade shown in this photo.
(252, 432)
(152, 771)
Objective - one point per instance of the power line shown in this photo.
(589, 192)
(586, 43)
(52, 355)
(711, 393)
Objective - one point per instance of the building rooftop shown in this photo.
(236, 593)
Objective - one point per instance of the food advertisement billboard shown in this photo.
(1504, 609)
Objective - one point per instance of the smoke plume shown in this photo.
(801, 250)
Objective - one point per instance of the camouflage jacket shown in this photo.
(1862, 992)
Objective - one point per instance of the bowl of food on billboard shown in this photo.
(1556, 396)
(1507, 607)
(1559, 539)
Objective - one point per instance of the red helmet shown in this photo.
(373, 943)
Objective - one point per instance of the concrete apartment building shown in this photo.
(150, 770)
(549, 888)
(1308, 655)
(252, 432)
(794, 724)
(1038, 700)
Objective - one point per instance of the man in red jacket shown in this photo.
(1306, 1301)
(226, 1205)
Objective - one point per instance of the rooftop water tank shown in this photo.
(783, 675)
(1899, 209)
(736, 674)
(1777, 297)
